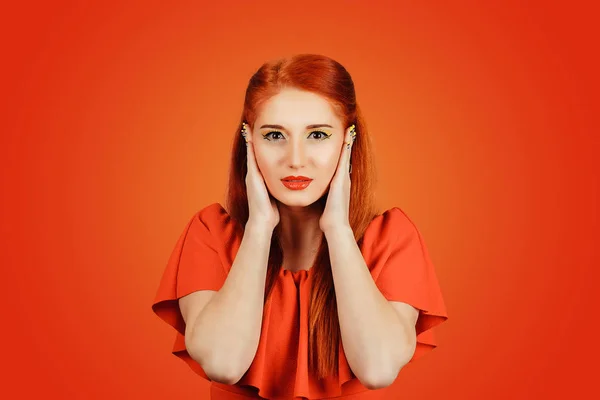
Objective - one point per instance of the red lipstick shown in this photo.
(296, 182)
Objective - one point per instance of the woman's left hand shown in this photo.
(337, 209)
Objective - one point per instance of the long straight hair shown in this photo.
(328, 78)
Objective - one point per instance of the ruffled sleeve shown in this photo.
(402, 270)
(196, 263)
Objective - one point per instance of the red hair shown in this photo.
(328, 78)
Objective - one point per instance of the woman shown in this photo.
(264, 295)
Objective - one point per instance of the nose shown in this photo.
(297, 154)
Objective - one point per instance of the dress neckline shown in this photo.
(300, 271)
(298, 276)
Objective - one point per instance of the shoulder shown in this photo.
(213, 218)
(390, 238)
(389, 226)
(214, 224)
(212, 213)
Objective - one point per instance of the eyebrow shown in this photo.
(307, 127)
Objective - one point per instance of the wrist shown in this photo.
(258, 227)
(339, 230)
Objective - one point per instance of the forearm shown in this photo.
(374, 340)
(226, 334)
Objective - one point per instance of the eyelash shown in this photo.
(325, 134)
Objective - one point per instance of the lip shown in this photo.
(296, 178)
(296, 182)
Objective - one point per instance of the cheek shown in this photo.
(264, 160)
(327, 163)
(330, 159)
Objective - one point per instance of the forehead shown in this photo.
(297, 108)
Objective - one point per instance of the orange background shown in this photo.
(118, 126)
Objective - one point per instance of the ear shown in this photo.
(350, 135)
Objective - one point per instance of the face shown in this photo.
(297, 133)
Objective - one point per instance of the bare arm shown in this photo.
(223, 335)
(378, 341)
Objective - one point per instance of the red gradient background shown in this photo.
(118, 126)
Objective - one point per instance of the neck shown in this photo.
(299, 231)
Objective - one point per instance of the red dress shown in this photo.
(395, 254)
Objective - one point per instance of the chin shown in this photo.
(296, 200)
(299, 198)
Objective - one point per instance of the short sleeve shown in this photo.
(403, 271)
(194, 264)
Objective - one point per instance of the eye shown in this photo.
(266, 135)
(320, 135)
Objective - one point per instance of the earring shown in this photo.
(352, 135)
(244, 132)
(352, 139)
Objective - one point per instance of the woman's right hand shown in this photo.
(262, 207)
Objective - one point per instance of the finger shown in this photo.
(343, 162)
(348, 150)
(351, 132)
(250, 160)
